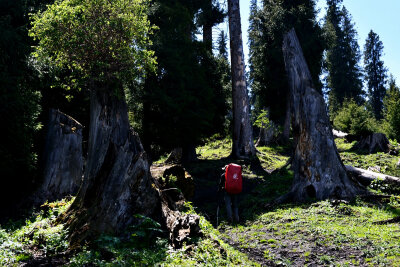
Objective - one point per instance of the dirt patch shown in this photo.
(269, 249)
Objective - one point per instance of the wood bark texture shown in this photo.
(286, 125)
(266, 135)
(242, 143)
(376, 142)
(318, 170)
(63, 164)
(117, 183)
(366, 176)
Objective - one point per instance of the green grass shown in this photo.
(322, 233)
(38, 232)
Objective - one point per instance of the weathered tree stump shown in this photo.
(63, 164)
(117, 182)
(318, 170)
(175, 156)
(183, 180)
(376, 142)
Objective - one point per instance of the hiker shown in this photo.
(231, 184)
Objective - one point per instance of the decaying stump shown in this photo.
(266, 136)
(318, 171)
(117, 182)
(175, 156)
(183, 180)
(376, 142)
(366, 176)
(63, 164)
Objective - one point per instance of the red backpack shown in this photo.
(233, 179)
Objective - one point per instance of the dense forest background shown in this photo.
(184, 98)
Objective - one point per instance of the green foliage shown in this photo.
(342, 57)
(391, 111)
(185, 101)
(19, 103)
(19, 238)
(267, 25)
(375, 72)
(262, 120)
(101, 41)
(355, 119)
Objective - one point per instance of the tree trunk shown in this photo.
(286, 125)
(318, 170)
(63, 167)
(266, 136)
(189, 153)
(242, 143)
(366, 177)
(376, 142)
(117, 183)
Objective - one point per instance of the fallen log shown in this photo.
(366, 177)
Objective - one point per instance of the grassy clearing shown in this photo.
(322, 233)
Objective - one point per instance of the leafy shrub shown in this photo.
(355, 119)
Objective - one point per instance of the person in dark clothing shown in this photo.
(231, 200)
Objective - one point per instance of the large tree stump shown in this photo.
(376, 142)
(63, 164)
(318, 170)
(117, 183)
(267, 134)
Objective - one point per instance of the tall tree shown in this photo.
(375, 72)
(267, 25)
(391, 110)
(344, 74)
(105, 44)
(19, 103)
(184, 102)
(211, 14)
(242, 143)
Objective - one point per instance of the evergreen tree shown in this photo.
(344, 74)
(391, 111)
(222, 44)
(184, 102)
(375, 72)
(211, 14)
(267, 25)
(19, 102)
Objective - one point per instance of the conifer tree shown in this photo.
(375, 72)
(344, 74)
(391, 110)
(19, 102)
(267, 25)
(184, 101)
